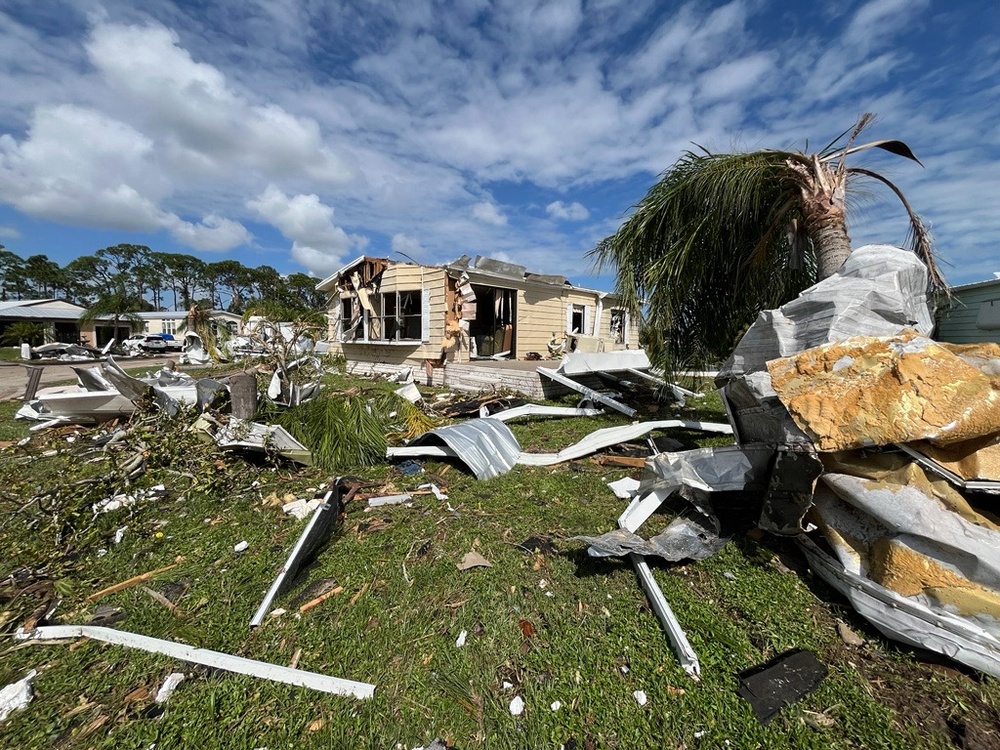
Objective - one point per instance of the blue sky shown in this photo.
(302, 133)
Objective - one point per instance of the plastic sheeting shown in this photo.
(879, 291)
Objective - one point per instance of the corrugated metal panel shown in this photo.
(40, 313)
(487, 446)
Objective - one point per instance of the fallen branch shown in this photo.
(320, 599)
(134, 581)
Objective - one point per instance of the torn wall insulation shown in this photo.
(916, 541)
(874, 391)
(963, 465)
(879, 291)
(216, 659)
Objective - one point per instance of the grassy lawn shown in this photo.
(550, 626)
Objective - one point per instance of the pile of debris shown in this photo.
(870, 444)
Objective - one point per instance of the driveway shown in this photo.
(14, 377)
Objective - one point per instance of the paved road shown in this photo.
(14, 377)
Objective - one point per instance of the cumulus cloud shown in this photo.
(569, 211)
(403, 243)
(191, 104)
(317, 242)
(80, 166)
(489, 213)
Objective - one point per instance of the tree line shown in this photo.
(147, 280)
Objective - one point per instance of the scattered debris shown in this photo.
(16, 695)
(473, 559)
(640, 697)
(434, 489)
(377, 502)
(848, 636)
(516, 706)
(168, 687)
(625, 487)
(460, 641)
(216, 659)
(241, 546)
(555, 705)
(783, 680)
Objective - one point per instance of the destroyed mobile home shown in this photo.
(856, 435)
(383, 311)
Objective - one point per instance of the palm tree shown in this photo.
(721, 237)
(115, 304)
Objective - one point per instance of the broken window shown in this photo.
(578, 319)
(619, 334)
(395, 316)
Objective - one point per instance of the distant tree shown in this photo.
(302, 289)
(13, 278)
(89, 275)
(185, 273)
(236, 279)
(42, 273)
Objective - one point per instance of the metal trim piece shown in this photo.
(590, 393)
(316, 532)
(216, 659)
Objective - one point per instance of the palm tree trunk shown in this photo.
(824, 217)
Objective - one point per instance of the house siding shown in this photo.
(957, 323)
(399, 278)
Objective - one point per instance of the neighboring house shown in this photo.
(61, 321)
(973, 314)
(174, 322)
(394, 312)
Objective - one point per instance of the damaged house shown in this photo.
(400, 313)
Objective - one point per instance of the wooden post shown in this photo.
(243, 392)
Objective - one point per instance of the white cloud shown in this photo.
(569, 211)
(192, 107)
(9, 233)
(79, 166)
(402, 243)
(317, 242)
(489, 213)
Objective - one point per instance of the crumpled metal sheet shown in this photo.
(879, 291)
(913, 542)
(903, 619)
(695, 537)
(608, 436)
(874, 391)
(487, 446)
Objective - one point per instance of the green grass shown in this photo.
(595, 639)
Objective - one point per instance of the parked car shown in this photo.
(173, 344)
(147, 342)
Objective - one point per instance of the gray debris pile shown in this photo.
(874, 446)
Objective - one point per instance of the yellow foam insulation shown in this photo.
(883, 470)
(870, 391)
(907, 572)
(974, 459)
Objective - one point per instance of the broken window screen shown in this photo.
(618, 334)
(350, 319)
(399, 317)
